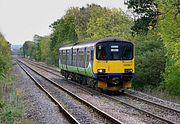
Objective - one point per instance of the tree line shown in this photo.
(9, 111)
(5, 57)
(154, 30)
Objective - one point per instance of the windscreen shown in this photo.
(114, 50)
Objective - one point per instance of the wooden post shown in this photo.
(17, 95)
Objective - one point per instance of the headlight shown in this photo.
(101, 70)
(128, 70)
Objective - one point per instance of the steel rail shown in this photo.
(153, 103)
(120, 101)
(107, 116)
(68, 115)
(51, 68)
(90, 90)
(130, 95)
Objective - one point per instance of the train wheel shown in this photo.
(66, 75)
(90, 82)
(122, 91)
(98, 88)
(84, 81)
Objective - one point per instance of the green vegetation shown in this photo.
(150, 61)
(160, 66)
(154, 31)
(168, 26)
(145, 12)
(11, 108)
(89, 23)
(5, 57)
(63, 33)
(10, 111)
(38, 49)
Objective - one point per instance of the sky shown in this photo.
(21, 19)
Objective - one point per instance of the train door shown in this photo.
(67, 58)
(77, 59)
(60, 59)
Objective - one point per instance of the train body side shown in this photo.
(82, 61)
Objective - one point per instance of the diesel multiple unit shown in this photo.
(105, 64)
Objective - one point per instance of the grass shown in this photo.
(162, 94)
(11, 105)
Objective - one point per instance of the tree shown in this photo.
(82, 19)
(29, 48)
(150, 61)
(94, 22)
(105, 22)
(44, 45)
(168, 27)
(36, 48)
(5, 57)
(146, 14)
(88, 23)
(63, 33)
(20, 52)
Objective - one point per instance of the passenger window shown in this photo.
(81, 58)
(60, 58)
(74, 57)
(64, 57)
(87, 57)
(67, 55)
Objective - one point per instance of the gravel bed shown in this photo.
(119, 111)
(124, 113)
(162, 112)
(37, 106)
(80, 111)
(154, 99)
(42, 64)
(131, 91)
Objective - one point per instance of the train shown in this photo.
(106, 64)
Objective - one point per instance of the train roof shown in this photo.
(91, 43)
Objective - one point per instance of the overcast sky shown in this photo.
(21, 19)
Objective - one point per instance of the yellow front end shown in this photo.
(113, 67)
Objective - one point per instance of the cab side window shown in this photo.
(101, 53)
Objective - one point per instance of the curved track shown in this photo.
(62, 109)
(162, 112)
(100, 113)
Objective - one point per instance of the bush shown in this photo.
(5, 57)
(168, 26)
(150, 61)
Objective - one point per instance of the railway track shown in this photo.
(161, 112)
(75, 108)
(149, 107)
(62, 109)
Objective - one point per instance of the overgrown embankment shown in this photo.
(10, 107)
